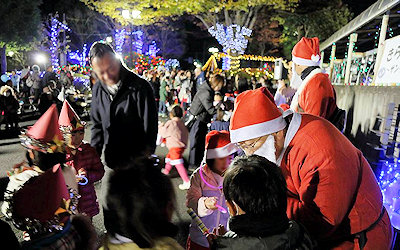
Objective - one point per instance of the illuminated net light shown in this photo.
(172, 64)
(138, 43)
(153, 49)
(79, 57)
(55, 29)
(119, 38)
(389, 182)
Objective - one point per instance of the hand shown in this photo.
(82, 172)
(210, 203)
(221, 230)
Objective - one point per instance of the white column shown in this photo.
(353, 39)
(382, 38)
(322, 59)
(333, 55)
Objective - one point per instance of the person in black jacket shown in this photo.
(203, 110)
(124, 116)
(123, 109)
(255, 192)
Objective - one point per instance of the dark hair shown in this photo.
(220, 115)
(45, 161)
(217, 79)
(137, 199)
(177, 111)
(256, 185)
(99, 49)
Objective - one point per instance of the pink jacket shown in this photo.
(175, 133)
(87, 158)
(198, 191)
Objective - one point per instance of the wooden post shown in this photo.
(381, 45)
(333, 55)
(353, 40)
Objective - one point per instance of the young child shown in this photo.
(255, 193)
(176, 135)
(205, 195)
(83, 158)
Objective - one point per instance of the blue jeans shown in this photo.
(162, 108)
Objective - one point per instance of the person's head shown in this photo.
(176, 111)
(44, 161)
(219, 151)
(105, 63)
(255, 186)
(35, 68)
(74, 138)
(217, 82)
(188, 74)
(13, 72)
(142, 210)
(306, 54)
(257, 125)
(220, 115)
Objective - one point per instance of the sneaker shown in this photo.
(184, 186)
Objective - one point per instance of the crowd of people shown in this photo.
(270, 166)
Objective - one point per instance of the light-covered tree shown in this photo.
(229, 21)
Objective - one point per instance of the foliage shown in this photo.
(313, 18)
(241, 12)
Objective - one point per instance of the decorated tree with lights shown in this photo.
(229, 21)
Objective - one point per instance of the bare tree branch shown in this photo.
(203, 21)
(227, 18)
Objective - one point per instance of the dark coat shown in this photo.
(127, 124)
(294, 237)
(202, 105)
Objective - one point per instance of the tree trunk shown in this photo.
(3, 60)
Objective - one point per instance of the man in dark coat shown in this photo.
(123, 113)
(123, 109)
(203, 110)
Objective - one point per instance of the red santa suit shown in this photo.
(331, 187)
(316, 94)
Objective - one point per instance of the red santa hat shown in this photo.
(218, 145)
(43, 198)
(45, 134)
(255, 115)
(306, 52)
(69, 121)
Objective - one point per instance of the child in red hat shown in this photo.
(82, 157)
(205, 194)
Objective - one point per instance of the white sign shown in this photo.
(389, 69)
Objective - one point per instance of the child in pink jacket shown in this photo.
(205, 194)
(176, 135)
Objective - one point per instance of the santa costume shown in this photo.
(315, 95)
(82, 157)
(332, 190)
(205, 183)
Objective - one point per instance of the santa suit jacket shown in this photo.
(332, 189)
(315, 95)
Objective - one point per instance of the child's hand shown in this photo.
(210, 203)
(82, 172)
(221, 230)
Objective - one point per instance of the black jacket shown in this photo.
(202, 106)
(127, 124)
(260, 235)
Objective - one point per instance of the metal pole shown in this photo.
(353, 39)
(333, 57)
(382, 38)
(322, 59)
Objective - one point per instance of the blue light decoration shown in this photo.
(233, 39)
(78, 57)
(138, 41)
(153, 49)
(55, 29)
(389, 182)
(172, 64)
(119, 38)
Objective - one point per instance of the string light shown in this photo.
(153, 49)
(78, 56)
(55, 29)
(388, 181)
(172, 64)
(119, 38)
(138, 43)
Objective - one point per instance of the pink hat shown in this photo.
(218, 145)
(255, 115)
(306, 52)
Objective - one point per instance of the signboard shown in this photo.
(389, 68)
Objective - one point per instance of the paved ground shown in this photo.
(11, 152)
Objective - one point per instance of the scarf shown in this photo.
(259, 226)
